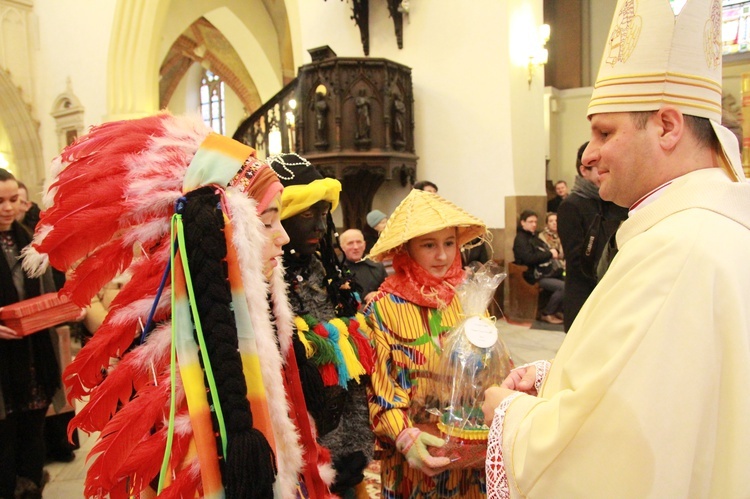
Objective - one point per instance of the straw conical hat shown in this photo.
(420, 213)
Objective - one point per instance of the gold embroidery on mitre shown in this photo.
(712, 36)
(624, 35)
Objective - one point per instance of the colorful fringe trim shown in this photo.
(340, 348)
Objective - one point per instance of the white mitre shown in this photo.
(655, 57)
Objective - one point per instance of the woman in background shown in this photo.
(530, 250)
(550, 236)
(29, 371)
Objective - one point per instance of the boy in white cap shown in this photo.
(647, 396)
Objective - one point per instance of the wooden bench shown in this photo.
(496, 305)
(523, 298)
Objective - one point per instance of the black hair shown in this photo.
(247, 447)
(703, 132)
(425, 183)
(640, 118)
(579, 158)
(700, 127)
(525, 214)
(6, 175)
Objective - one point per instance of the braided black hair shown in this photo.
(249, 454)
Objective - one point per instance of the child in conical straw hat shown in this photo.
(413, 311)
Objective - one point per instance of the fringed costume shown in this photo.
(338, 357)
(191, 378)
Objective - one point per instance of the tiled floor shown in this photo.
(525, 345)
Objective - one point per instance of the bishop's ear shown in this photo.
(671, 125)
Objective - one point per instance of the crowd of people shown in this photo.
(250, 351)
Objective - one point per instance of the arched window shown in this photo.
(212, 101)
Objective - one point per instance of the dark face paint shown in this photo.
(307, 228)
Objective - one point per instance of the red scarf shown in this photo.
(414, 284)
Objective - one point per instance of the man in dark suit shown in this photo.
(585, 223)
(367, 274)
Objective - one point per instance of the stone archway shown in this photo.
(133, 64)
(203, 43)
(23, 131)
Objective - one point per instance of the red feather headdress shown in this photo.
(109, 206)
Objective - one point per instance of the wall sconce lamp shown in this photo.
(539, 54)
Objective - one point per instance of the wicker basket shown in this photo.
(463, 453)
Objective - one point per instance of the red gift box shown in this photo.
(32, 315)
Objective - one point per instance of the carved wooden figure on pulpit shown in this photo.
(354, 121)
(321, 118)
(399, 110)
(362, 103)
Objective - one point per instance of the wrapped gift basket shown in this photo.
(473, 359)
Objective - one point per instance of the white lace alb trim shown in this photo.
(497, 480)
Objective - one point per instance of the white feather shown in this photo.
(48, 198)
(282, 311)
(249, 239)
(34, 263)
(327, 473)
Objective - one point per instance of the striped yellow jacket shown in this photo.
(408, 341)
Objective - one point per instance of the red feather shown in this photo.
(104, 402)
(117, 388)
(120, 436)
(96, 271)
(80, 198)
(78, 181)
(186, 483)
(110, 135)
(324, 455)
(145, 280)
(110, 340)
(144, 463)
(120, 491)
(85, 372)
(106, 148)
(71, 244)
(113, 186)
(90, 192)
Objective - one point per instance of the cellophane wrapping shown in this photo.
(473, 359)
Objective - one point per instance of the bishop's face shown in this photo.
(306, 229)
